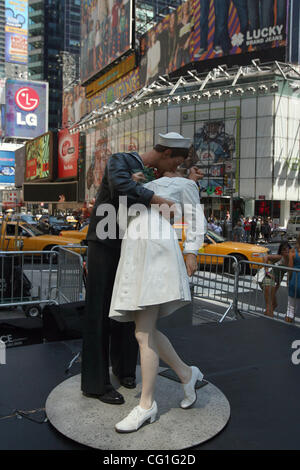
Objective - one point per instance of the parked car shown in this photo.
(79, 235)
(215, 244)
(29, 219)
(16, 235)
(53, 225)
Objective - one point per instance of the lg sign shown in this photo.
(28, 100)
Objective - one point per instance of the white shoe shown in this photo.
(136, 418)
(190, 390)
(218, 50)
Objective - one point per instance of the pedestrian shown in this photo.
(152, 282)
(238, 232)
(103, 258)
(273, 277)
(293, 307)
(258, 228)
(247, 227)
(266, 230)
(253, 229)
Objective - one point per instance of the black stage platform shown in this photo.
(250, 361)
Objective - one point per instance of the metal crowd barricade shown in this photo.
(26, 281)
(215, 281)
(70, 277)
(253, 295)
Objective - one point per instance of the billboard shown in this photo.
(7, 167)
(74, 106)
(68, 152)
(106, 34)
(16, 31)
(216, 147)
(207, 29)
(39, 158)
(26, 108)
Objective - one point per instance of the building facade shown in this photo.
(54, 36)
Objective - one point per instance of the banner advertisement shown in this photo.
(7, 167)
(68, 151)
(26, 109)
(38, 160)
(98, 152)
(216, 148)
(76, 105)
(208, 29)
(106, 33)
(16, 31)
(20, 166)
(114, 74)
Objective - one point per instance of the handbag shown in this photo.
(260, 275)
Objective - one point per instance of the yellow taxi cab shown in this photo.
(71, 220)
(215, 244)
(78, 235)
(20, 235)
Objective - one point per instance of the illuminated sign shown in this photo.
(16, 31)
(39, 158)
(27, 99)
(106, 34)
(26, 109)
(68, 151)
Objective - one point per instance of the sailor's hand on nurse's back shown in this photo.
(138, 177)
(191, 264)
(195, 173)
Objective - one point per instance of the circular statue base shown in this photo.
(91, 422)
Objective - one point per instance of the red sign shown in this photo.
(27, 99)
(68, 151)
(31, 168)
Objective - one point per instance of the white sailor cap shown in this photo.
(174, 140)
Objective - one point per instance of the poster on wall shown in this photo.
(216, 148)
(74, 106)
(98, 152)
(26, 108)
(106, 33)
(209, 29)
(16, 31)
(68, 152)
(39, 158)
(7, 167)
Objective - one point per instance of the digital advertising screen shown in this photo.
(7, 167)
(106, 34)
(207, 29)
(26, 108)
(39, 158)
(16, 31)
(68, 152)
